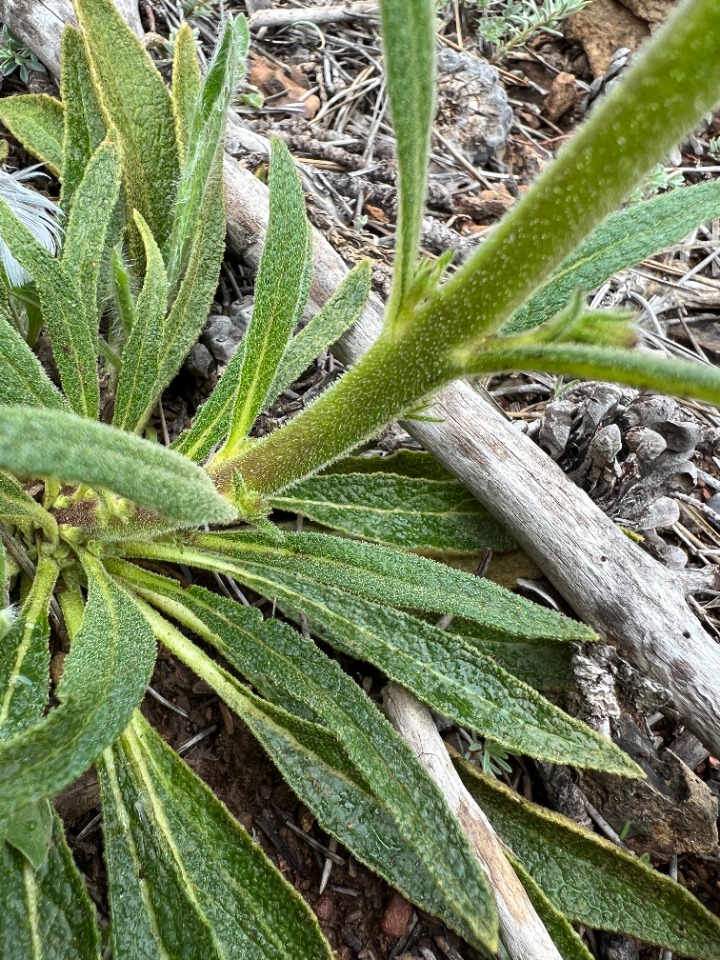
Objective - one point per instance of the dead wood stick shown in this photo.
(330, 14)
(522, 932)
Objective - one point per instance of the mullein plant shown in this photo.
(98, 519)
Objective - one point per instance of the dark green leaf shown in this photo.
(84, 125)
(36, 120)
(136, 103)
(428, 515)
(104, 677)
(22, 378)
(623, 240)
(385, 826)
(590, 880)
(230, 903)
(63, 446)
(47, 913)
(405, 463)
(30, 832)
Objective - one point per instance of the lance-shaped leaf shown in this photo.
(325, 328)
(388, 576)
(18, 506)
(104, 677)
(438, 668)
(623, 240)
(428, 515)
(280, 293)
(47, 913)
(234, 904)
(145, 342)
(205, 142)
(50, 443)
(84, 129)
(87, 229)
(189, 312)
(36, 120)
(137, 104)
(186, 85)
(636, 368)
(357, 775)
(30, 832)
(406, 463)
(212, 423)
(610, 890)
(22, 378)
(63, 308)
(556, 923)
(408, 32)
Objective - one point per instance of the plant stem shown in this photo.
(632, 130)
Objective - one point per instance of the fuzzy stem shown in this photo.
(633, 129)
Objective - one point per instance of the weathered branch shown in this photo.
(329, 14)
(521, 931)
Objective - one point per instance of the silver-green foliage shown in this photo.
(141, 172)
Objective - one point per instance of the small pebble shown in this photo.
(396, 916)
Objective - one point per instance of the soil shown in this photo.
(323, 94)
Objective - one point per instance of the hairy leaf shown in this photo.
(87, 230)
(137, 104)
(54, 444)
(25, 658)
(406, 463)
(17, 506)
(204, 146)
(84, 129)
(428, 515)
(104, 677)
(186, 85)
(408, 32)
(442, 671)
(403, 580)
(145, 343)
(63, 307)
(637, 368)
(325, 328)
(47, 913)
(623, 240)
(36, 120)
(609, 889)
(556, 923)
(280, 293)
(234, 905)
(385, 826)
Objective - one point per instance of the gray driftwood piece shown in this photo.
(39, 24)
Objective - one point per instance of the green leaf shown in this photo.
(333, 768)
(325, 328)
(36, 120)
(145, 342)
(87, 230)
(280, 293)
(637, 368)
(232, 903)
(610, 890)
(408, 32)
(30, 832)
(17, 506)
(442, 671)
(623, 240)
(428, 515)
(556, 923)
(35, 442)
(105, 676)
(84, 128)
(63, 307)
(186, 85)
(47, 913)
(204, 149)
(22, 378)
(387, 576)
(25, 658)
(136, 103)
(405, 463)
